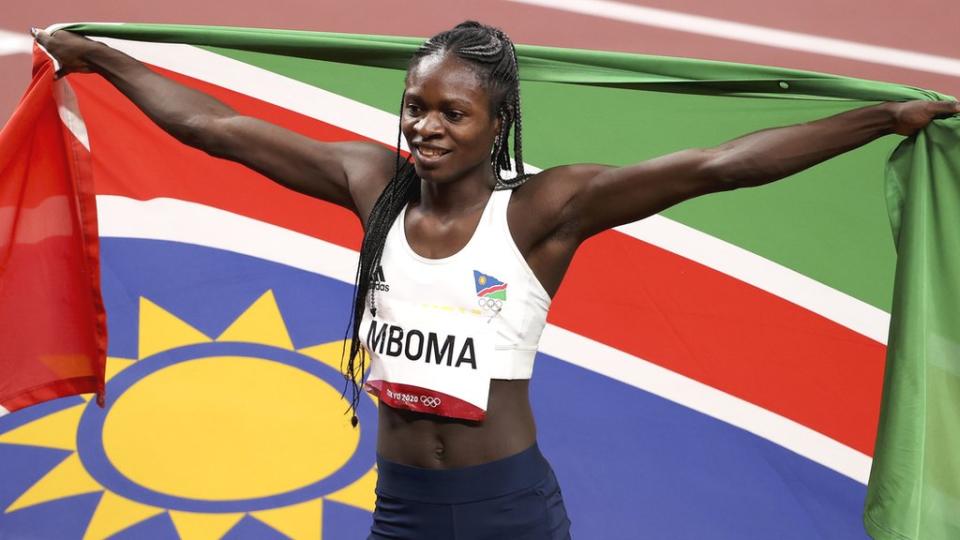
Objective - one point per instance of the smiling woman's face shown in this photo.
(447, 120)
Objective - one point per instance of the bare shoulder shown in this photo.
(369, 167)
(538, 208)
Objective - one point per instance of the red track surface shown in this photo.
(927, 26)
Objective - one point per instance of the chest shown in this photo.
(431, 238)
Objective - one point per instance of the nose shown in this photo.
(428, 125)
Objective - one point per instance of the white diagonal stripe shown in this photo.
(265, 85)
(759, 35)
(69, 111)
(639, 373)
(176, 220)
(763, 273)
(197, 224)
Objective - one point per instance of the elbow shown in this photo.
(721, 171)
(194, 130)
(726, 169)
(204, 132)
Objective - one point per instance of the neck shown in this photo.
(454, 197)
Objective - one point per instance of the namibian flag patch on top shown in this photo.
(489, 286)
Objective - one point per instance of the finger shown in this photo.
(948, 106)
(943, 109)
(40, 35)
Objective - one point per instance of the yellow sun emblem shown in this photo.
(211, 430)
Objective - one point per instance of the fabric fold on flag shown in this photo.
(537, 63)
(52, 323)
(914, 488)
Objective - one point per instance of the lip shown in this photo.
(429, 159)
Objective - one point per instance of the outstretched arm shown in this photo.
(600, 197)
(348, 174)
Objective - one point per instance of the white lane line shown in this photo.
(759, 35)
(14, 43)
(381, 126)
(197, 224)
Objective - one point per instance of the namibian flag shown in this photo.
(714, 371)
(489, 286)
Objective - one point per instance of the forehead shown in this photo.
(447, 78)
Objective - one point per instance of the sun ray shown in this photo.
(160, 330)
(304, 520)
(260, 323)
(360, 493)
(115, 513)
(195, 526)
(65, 480)
(56, 430)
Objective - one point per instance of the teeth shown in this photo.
(431, 152)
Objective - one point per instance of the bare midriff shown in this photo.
(435, 442)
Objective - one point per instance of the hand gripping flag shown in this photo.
(712, 371)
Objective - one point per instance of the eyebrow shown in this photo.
(455, 102)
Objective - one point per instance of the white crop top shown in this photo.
(442, 325)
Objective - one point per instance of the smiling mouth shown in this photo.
(431, 153)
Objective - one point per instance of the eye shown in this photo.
(454, 116)
(412, 109)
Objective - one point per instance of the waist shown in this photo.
(465, 484)
(429, 441)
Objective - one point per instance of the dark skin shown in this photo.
(449, 122)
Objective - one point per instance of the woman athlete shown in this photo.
(473, 472)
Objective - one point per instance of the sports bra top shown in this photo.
(486, 287)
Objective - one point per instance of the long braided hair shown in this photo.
(491, 53)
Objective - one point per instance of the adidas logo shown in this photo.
(380, 282)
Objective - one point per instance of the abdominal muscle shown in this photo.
(436, 442)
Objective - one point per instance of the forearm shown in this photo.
(181, 111)
(772, 154)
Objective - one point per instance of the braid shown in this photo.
(402, 188)
(492, 54)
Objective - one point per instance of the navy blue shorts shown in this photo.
(516, 497)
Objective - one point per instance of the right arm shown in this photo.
(349, 174)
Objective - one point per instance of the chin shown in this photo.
(434, 176)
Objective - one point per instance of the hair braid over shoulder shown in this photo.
(490, 52)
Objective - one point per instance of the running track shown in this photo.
(922, 46)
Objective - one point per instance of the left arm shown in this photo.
(599, 197)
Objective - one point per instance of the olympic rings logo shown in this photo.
(430, 401)
(490, 303)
